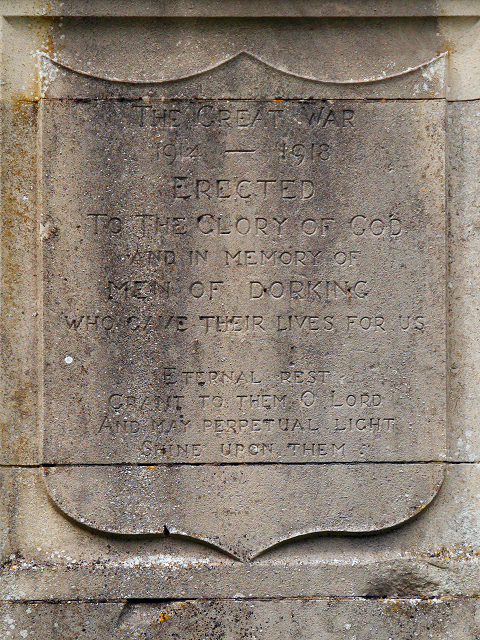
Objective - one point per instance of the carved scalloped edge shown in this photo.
(258, 59)
(255, 552)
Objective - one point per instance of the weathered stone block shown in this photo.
(184, 327)
(239, 320)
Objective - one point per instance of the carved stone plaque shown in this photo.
(243, 314)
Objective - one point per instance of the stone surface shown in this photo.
(19, 434)
(424, 80)
(103, 538)
(384, 33)
(229, 8)
(244, 510)
(463, 283)
(53, 558)
(296, 48)
(217, 619)
(236, 282)
(212, 279)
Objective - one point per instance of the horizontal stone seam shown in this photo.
(169, 601)
(285, 13)
(66, 465)
(160, 101)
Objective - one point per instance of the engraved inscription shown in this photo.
(243, 282)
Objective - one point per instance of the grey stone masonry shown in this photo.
(240, 320)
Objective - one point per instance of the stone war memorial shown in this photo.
(240, 320)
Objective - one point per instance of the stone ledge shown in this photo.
(243, 8)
